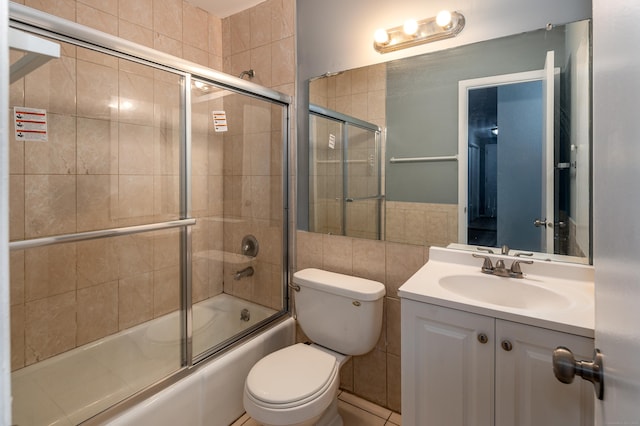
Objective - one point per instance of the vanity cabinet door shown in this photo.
(447, 366)
(527, 392)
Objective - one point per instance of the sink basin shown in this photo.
(508, 292)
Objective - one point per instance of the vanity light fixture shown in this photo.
(413, 33)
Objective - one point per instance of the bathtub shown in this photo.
(72, 387)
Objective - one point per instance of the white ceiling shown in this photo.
(224, 8)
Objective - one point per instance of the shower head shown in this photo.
(250, 73)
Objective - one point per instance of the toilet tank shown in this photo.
(337, 311)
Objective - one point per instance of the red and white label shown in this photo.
(30, 124)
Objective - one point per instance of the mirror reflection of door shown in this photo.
(506, 161)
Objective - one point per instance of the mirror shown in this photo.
(459, 153)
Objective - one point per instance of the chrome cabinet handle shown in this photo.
(565, 368)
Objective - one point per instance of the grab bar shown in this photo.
(94, 235)
(373, 197)
(341, 161)
(423, 159)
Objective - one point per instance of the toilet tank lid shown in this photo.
(340, 284)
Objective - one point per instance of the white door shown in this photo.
(616, 206)
(547, 213)
(464, 86)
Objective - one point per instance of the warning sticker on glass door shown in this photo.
(30, 124)
(219, 121)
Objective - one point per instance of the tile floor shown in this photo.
(355, 411)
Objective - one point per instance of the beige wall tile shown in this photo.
(97, 202)
(167, 18)
(97, 262)
(195, 22)
(261, 63)
(135, 300)
(49, 205)
(135, 255)
(96, 146)
(63, 8)
(196, 55)
(139, 12)
(370, 378)
(393, 325)
(135, 198)
(135, 149)
(337, 254)
(97, 19)
(16, 269)
(369, 259)
(97, 312)
(215, 36)
(282, 19)
(394, 383)
(52, 86)
(166, 249)
(50, 271)
(199, 280)
(309, 250)
(16, 211)
(283, 61)
(166, 290)
(97, 100)
(17, 337)
(260, 19)
(134, 32)
(166, 44)
(108, 6)
(136, 99)
(240, 31)
(346, 376)
(402, 261)
(50, 327)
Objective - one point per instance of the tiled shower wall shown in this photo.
(261, 39)
(100, 170)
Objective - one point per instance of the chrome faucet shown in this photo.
(246, 272)
(500, 269)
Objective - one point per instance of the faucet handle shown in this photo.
(516, 272)
(487, 266)
(484, 249)
(520, 253)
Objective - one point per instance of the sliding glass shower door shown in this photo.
(345, 188)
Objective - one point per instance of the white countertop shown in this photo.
(573, 282)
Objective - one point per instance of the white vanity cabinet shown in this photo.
(462, 368)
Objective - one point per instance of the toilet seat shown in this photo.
(291, 377)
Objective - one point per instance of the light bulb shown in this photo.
(410, 27)
(381, 36)
(443, 18)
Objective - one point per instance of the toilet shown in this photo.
(298, 385)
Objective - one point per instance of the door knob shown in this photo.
(565, 368)
(542, 223)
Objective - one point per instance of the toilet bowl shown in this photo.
(298, 385)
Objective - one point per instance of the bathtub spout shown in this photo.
(246, 272)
